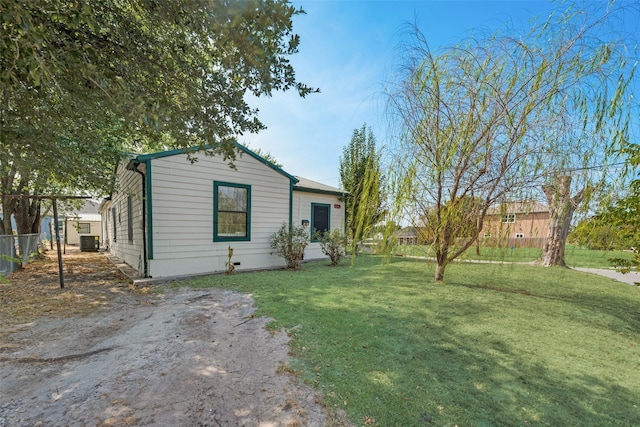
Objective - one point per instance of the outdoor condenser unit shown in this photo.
(89, 243)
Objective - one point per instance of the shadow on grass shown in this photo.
(401, 370)
(386, 344)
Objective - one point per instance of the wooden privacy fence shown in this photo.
(513, 242)
(509, 242)
(10, 258)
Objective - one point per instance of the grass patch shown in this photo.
(575, 256)
(499, 344)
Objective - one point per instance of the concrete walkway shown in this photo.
(629, 278)
(126, 270)
(632, 278)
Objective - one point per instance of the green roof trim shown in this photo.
(240, 147)
(318, 191)
(266, 162)
(310, 186)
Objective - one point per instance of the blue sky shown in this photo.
(347, 50)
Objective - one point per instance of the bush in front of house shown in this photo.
(333, 244)
(289, 242)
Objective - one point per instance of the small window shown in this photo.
(509, 218)
(84, 228)
(519, 235)
(231, 212)
(129, 220)
(115, 226)
(319, 219)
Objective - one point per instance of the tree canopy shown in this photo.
(81, 82)
(625, 213)
(361, 177)
(493, 117)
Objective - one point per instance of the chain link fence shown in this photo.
(11, 258)
(7, 255)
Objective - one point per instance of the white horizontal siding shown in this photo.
(183, 214)
(128, 183)
(187, 266)
(73, 236)
(302, 210)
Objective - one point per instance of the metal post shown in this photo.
(65, 236)
(50, 235)
(55, 223)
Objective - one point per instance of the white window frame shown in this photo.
(509, 218)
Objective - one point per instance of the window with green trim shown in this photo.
(231, 212)
(319, 219)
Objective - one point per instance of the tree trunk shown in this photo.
(439, 277)
(477, 233)
(7, 210)
(554, 246)
(27, 216)
(442, 252)
(561, 209)
(8, 205)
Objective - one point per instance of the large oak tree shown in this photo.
(83, 81)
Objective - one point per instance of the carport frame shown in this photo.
(55, 221)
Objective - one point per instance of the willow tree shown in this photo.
(82, 81)
(480, 120)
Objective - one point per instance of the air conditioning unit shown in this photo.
(89, 243)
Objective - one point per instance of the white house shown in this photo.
(168, 216)
(84, 222)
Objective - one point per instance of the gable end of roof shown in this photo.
(239, 147)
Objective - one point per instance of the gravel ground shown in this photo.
(188, 358)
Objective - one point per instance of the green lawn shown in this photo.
(499, 344)
(575, 256)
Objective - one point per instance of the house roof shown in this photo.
(85, 217)
(518, 207)
(407, 232)
(240, 147)
(410, 232)
(88, 212)
(310, 186)
(300, 184)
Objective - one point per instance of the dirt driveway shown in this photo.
(106, 355)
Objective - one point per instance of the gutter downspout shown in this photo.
(290, 203)
(133, 166)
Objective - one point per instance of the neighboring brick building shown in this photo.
(517, 224)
